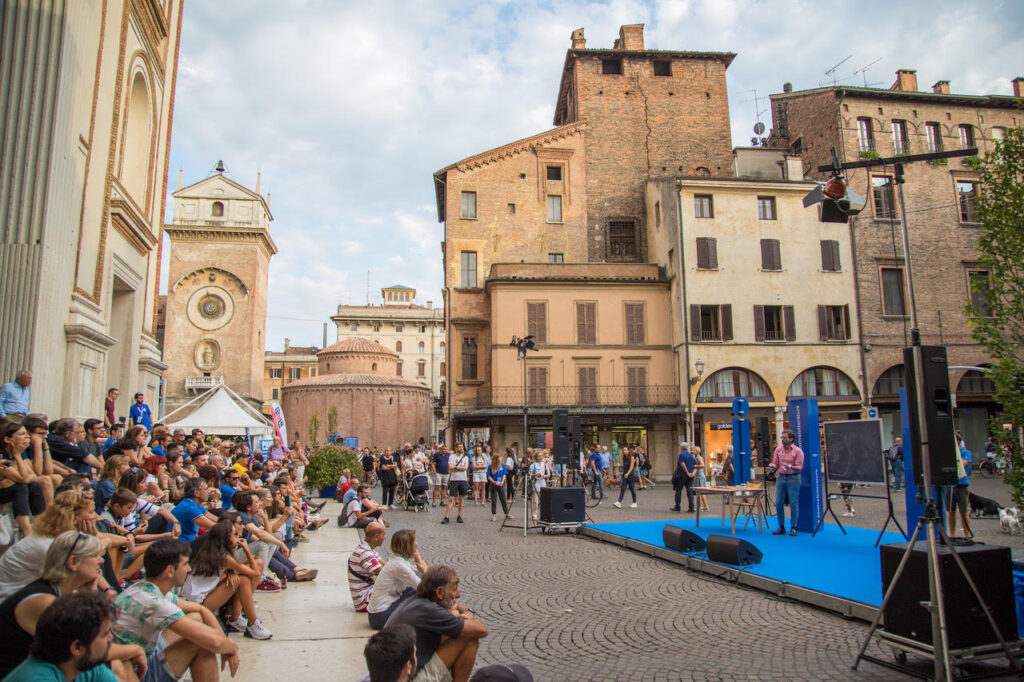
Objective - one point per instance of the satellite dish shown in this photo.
(758, 128)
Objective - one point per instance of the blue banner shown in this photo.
(803, 421)
(741, 450)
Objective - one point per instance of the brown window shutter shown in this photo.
(846, 323)
(766, 255)
(702, 253)
(641, 326)
(826, 256)
(822, 322)
(712, 253)
(836, 264)
(694, 322)
(726, 311)
(776, 254)
(759, 323)
(581, 322)
(790, 323)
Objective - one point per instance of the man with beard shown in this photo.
(72, 640)
(448, 634)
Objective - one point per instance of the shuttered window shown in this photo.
(468, 358)
(774, 323)
(834, 322)
(830, 255)
(635, 324)
(636, 385)
(710, 322)
(707, 253)
(586, 380)
(771, 255)
(537, 322)
(537, 380)
(586, 323)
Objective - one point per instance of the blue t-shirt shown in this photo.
(440, 462)
(498, 475)
(350, 494)
(595, 457)
(966, 455)
(606, 460)
(691, 462)
(186, 511)
(226, 492)
(158, 451)
(104, 491)
(141, 415)
(32, 670)
(246, 520)
(107, 443)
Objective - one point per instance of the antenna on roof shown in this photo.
(832, 72)
(863, 71)
(367, 287)
(759, 127)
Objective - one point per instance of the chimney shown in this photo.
(258, 178)
(578, 41)
(906, 80)
(787, 87)
(941, 88)
(287, 342)
(1018, 86)
(181, 178)
(631, 37)
(794, 167)
(430, 305)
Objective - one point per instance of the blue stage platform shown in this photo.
(831, 570)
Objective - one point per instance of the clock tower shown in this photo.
(217, 290)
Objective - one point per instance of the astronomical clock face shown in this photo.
(210, 307)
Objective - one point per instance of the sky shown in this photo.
(348, 108)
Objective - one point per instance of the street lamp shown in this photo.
(698, 368)
(522, 346)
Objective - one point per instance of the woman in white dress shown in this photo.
(399, 578)
(479, 474)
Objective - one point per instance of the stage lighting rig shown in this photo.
(838, 202)
(523, 345)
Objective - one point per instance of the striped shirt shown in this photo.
(364, 564)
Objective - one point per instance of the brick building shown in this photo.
(868, 122)
(281, 368)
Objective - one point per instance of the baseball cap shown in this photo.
(502, 673)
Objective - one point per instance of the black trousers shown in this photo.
(497, 493)
(388, 492)
(630, 482)
(686, 483)
(26, 498)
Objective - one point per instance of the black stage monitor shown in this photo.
(853, 451)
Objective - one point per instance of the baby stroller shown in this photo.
(416, 488)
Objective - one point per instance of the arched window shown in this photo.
(422, 346)
(218, 209)
(974, 382)
(734, 382)
(442, 369)
(398, 346)
(398, 371)
(137, 136)
(443, 346)
(373, 367)
(889, 383)
(823, 383)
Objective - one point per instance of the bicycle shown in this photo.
(992, 467)
(594, 493)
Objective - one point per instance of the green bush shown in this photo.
(869, 154)
(328, 462)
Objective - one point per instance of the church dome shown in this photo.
(357, 356)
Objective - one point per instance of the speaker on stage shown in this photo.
(575, 437)
(764, 442)
(938, 414)
(560, 437)
(990, 568)
(562, 505)
(682, 540)
(732, 550)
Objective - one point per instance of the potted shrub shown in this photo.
(326, 465)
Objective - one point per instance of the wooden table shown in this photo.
(732, 494)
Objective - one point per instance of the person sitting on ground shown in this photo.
(218, 578)
(190, 511)
(114, 468)
(399, 578)
(63, 443)
(361, 511)
(391, 655)
(448, 634)
(73, 562)
(364, 565)
(48, 473)
(351, 492)
(18, 482)
(149, 607)
(132, 445)
(262, 543)
(281, 563)
(121, 518)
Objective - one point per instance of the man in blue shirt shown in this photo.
(228, 487)
(440, 473)
(190, 512)
(14, 397)
(682, 477)
(956, 498)
(139, 414)
(606, 460)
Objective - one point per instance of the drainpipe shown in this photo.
(686, 313)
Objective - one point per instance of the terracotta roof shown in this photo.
(354, 380)
(301, 350)
(358, 345)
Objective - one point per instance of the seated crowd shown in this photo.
(115, 536)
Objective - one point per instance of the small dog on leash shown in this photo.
(983, 506)
(1009, 521)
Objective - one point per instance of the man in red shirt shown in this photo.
(788, 462)
(108, 407)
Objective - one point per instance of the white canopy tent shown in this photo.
(222, 412)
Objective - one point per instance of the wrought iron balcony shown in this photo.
(202, 383)
(574, 396)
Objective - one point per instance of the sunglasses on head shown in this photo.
(74, 544)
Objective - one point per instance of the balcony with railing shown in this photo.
(597, 397)
(202, 383)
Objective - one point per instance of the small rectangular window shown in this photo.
(967, 197)
(421, 369)
(275, 372)
(469, 367)
(771, 255)
(900, 140)
(295, 373)
(469, 205)
(703, 207)
(710, 322)
(865, 135)
(586, 323)
(933, 134)
(774, 323)
(830, 256)
(537, 322)
(707, 253)
(893, 300)
(274, 393)
(554, 173)
(556, 258)
(399, 327)
(586, 380)
(554, 208)
(353, 327)
(611, 67)
(622, 241)
(966, 132)
(978, 285)
(662, 67)
(468, 269)
(537, 380)
(834, 322)
(636, 385)
(635, 327)
(512, 209)
(998, 134)
(766, 208)
(884, 197)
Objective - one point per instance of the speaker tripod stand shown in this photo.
(520, 482)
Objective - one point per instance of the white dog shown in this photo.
(1009, 521)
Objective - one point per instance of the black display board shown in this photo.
(853, 451)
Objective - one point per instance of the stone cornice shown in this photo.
(212, 234)
(85, 335)
(152, 365)
(127, 220)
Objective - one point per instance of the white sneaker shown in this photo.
(633, 506)
(493, 517)
(617, 505)
(847, 513)
(238, 624)
(257, 631)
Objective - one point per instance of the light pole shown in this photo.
(698, 367)
(522, 345)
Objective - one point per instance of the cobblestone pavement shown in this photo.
(572, 608)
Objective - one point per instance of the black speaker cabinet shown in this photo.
(560, 437)
(938, 413)
(763, 439)
(562, 505)
(991, 570)
(575, 436)
(731, 550)
(682, 540)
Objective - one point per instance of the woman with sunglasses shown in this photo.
(18, 482)
(132, 445)
(114, 467)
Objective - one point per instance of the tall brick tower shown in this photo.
(648, 114)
